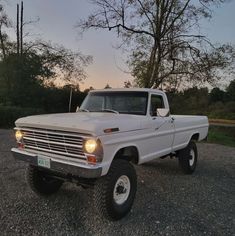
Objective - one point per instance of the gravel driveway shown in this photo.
(167, 202)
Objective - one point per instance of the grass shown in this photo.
(222, 135)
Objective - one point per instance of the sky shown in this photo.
(57, 24)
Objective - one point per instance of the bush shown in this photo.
(9, 114)
(222, 135)
(221, 110)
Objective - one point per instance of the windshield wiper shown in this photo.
(110, 110)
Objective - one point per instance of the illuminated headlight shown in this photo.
(19, 136)
(90, 145)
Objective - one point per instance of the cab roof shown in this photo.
(128, 90)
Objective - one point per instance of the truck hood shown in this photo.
(85, 122)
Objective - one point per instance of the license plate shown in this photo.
(44, 162)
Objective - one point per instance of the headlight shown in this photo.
(18, 135)
(90, 145)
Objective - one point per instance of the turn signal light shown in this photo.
(91, 159)
(20, 145)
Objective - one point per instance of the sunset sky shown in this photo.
(57, 21)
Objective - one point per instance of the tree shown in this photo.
(217, 95)
(58, 62)
(41, 65)
(127, 84)
(107, 86)
(165, 47)
(26, 68)
(4, 22)
(86, 91)
(231, 91)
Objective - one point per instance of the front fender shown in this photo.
(110, 152)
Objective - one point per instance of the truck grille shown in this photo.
(57, 142)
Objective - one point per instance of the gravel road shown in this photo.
(167, 201)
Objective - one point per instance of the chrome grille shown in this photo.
(57, 142)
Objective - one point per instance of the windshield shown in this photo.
(122, 102)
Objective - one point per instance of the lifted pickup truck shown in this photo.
(98, 145)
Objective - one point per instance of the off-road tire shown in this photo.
(104, 200)
(40, 182)
(186, 161)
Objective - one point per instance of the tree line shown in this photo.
(199, 101)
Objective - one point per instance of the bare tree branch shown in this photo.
(158, 35)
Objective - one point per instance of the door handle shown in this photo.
(172, 119)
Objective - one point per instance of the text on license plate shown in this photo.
(44, 162)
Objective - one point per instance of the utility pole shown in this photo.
(70, 97)
(21, 27)
(17, 30)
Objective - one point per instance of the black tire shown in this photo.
(41, 183)
(104, 194)
(188, 158)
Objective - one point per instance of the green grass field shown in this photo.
(222, 135)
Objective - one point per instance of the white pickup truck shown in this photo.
(98, 145)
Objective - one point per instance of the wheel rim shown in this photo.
(192, 157)
(121, 190)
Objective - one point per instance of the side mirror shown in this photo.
(163, 112)
(77, 109)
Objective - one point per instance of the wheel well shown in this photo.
(128, 153)
(195, 137)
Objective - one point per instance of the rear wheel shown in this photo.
(114, 193)
(188, 158)
(41, 183)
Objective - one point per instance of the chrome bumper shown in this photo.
(60, 166)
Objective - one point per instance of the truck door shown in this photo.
(162, 128)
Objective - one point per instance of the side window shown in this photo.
(156, 102)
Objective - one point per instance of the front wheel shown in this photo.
(114, 193)
(188, 158)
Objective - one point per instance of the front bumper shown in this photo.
(60, 165)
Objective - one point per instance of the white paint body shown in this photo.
(152, 136)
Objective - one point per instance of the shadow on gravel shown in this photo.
(163, 166)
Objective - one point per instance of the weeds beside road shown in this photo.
(167, 202)
(222, 134)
